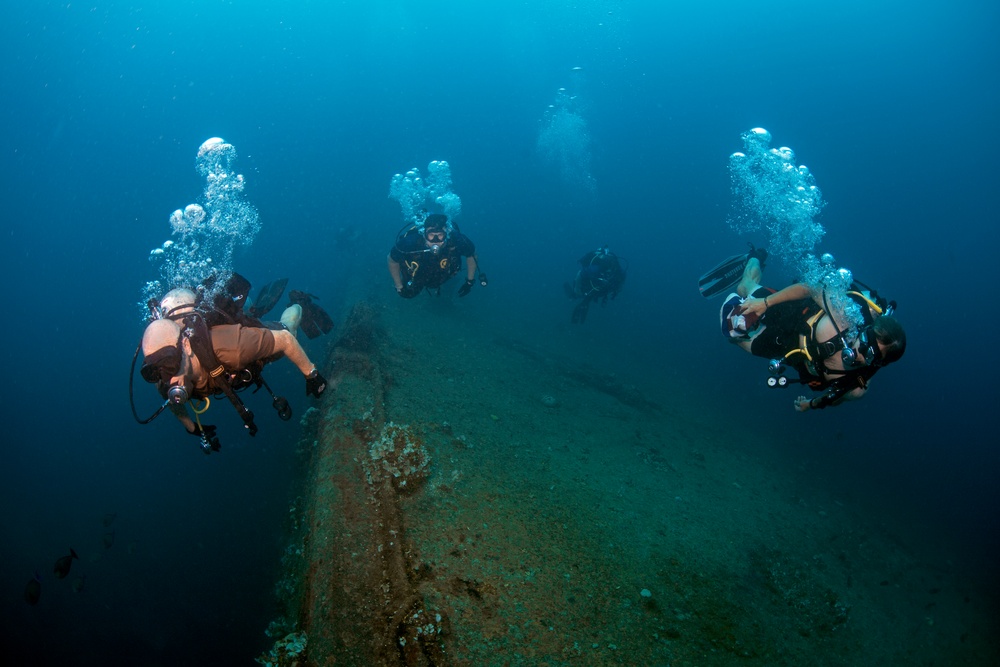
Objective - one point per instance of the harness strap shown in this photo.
(815, 353)
(200, 340)
(827, 349)
(805, 340)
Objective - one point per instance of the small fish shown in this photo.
(132, 546)
(33, 590)
(79, 583)
(108, 540)
(62, 566)
(109, 519)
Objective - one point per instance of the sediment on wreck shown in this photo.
(622, 524)
(359, 599)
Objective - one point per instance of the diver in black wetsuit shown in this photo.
(428, 254)
(601, 276)
(797, 327)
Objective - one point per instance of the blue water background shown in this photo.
(893, 106)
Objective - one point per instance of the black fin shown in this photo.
(315, 321)
(580, 312)
(267, 298)
(725, 276)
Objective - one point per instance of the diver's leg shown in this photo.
(751, 278)
(292, 317)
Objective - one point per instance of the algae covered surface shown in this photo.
(498, 502)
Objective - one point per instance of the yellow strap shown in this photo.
(871, 304)
(804, 341)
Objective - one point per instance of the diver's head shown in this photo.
(436, 221)
(166, 359)
(436, 229)
(177, 302)
(890, 337)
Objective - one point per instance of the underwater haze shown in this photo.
(567, 125)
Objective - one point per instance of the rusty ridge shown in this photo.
(362, 601)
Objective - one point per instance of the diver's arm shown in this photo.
(832, 397)
(793, 292)
(183, 417)
(471, 266)
(286, 343)
(395, 272)
(790, 293)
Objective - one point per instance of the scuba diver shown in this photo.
(796, 327)
(427, 254)
(600, 276)
(199, 347)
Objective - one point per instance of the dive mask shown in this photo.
(163, 364)
(436, 239)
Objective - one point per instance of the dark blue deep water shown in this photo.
(893, 106)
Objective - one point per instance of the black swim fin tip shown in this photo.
(723, 277)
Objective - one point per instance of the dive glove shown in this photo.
(466, 288)
(408, 291)
(209, 440)
(315, 384)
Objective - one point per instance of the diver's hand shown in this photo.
(802, 404)
(209, 440)
(466, 288)
(407, 291)
(315, 384)
(751, 306)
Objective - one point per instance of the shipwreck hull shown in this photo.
(491, 502)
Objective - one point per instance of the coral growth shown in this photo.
(286, 652)
(401, 453)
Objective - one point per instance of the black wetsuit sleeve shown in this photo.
(839, 388)
(464, 245)
(410, 242)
